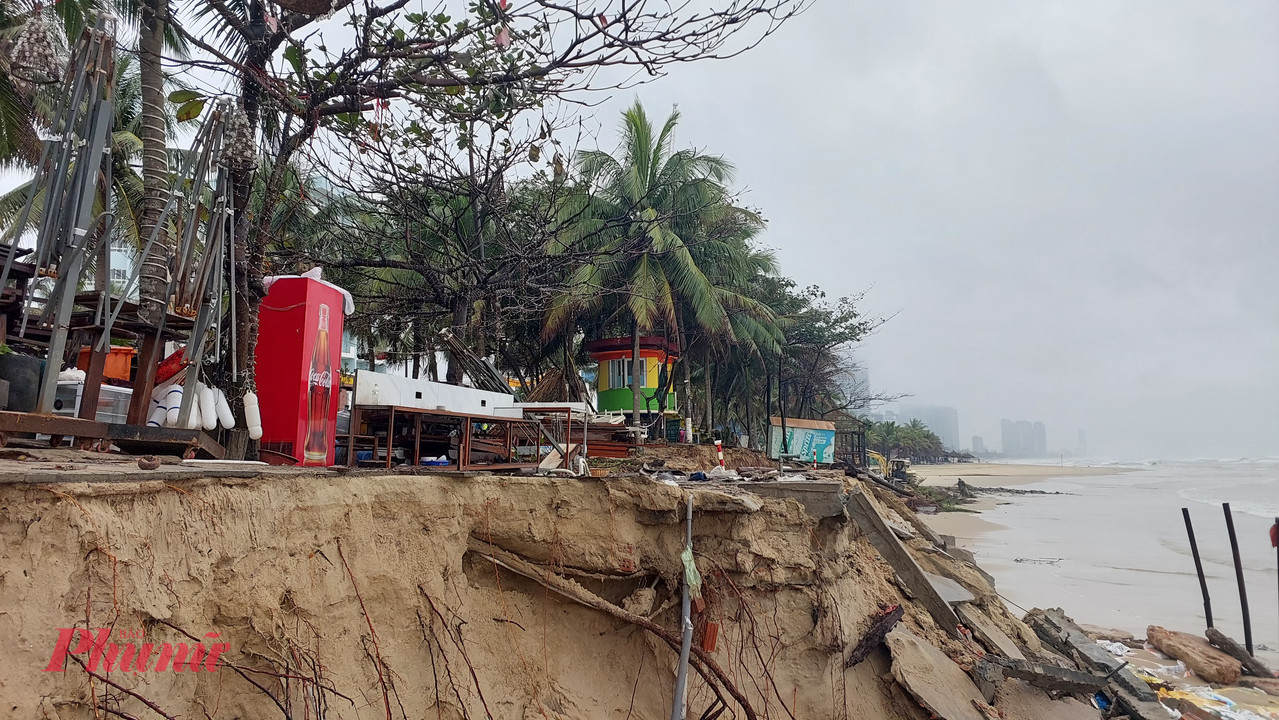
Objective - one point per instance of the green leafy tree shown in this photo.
(644, 203)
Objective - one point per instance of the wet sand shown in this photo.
(1111, 549)
(971, 525)
(1002, 475)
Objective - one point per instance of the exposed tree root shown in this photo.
(569, 589)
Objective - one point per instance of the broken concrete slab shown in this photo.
(716, 500)
(820, 498)
(988, 632)
(1202, 658)
(1047, 677)
(1133, 696)
(950, 591)
(1096, 632)
(931, 678)
(902, 528)
(961, 554)
(1063, 635)
(1018, 700)
(892, 501)
(872, 524)
(988, 676)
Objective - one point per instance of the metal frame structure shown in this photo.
(477, 433)
(73, 173)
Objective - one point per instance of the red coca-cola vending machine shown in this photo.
(298, 364)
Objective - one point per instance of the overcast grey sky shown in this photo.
(1072, 206)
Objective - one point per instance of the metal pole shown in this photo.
(1199, 568)
(686, 641)
(1243, 591)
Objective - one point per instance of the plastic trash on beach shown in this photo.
(1177, 670)
(1115, 648)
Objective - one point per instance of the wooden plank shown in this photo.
(93, 382)
(144, 439)
(51, 425)
(880, 626)
(882, 538)
(144, 380)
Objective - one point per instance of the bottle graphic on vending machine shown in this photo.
(319, 396)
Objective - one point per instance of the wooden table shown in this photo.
(471, 433)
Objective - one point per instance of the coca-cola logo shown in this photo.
(322, 379)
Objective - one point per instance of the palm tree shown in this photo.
(644, 202)
(735, 268)
(153, 288)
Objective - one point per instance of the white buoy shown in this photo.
(223, 408)
(172, 402)
(253, 415)
(193, 420)
(208, 407)
(157, 416)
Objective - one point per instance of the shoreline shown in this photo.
(969, 524)
(1005, 475)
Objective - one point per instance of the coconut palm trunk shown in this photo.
(636, 393)
(681, 333)
(154, 279)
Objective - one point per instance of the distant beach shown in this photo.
(1111, 549)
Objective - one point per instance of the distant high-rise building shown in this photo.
(1023, 438)
(1082, 449)
(979, 445)
(1008, 436)
(943, 421)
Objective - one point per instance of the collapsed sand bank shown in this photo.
(344, 594)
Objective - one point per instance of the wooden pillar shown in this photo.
(507, 435)
(93, 383)
(464, 451)
(353, 428)
(390, 438)
(417, 440)
(144, 380)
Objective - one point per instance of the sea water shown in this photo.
(1112, 549)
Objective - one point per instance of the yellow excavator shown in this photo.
(881, 461)
(895, 468)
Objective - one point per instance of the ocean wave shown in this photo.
(1239, 501)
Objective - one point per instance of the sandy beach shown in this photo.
(1111, 547)
(969, 525)
(1002, 475)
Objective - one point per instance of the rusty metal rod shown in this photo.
(1199, 567)
(1243, 591)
